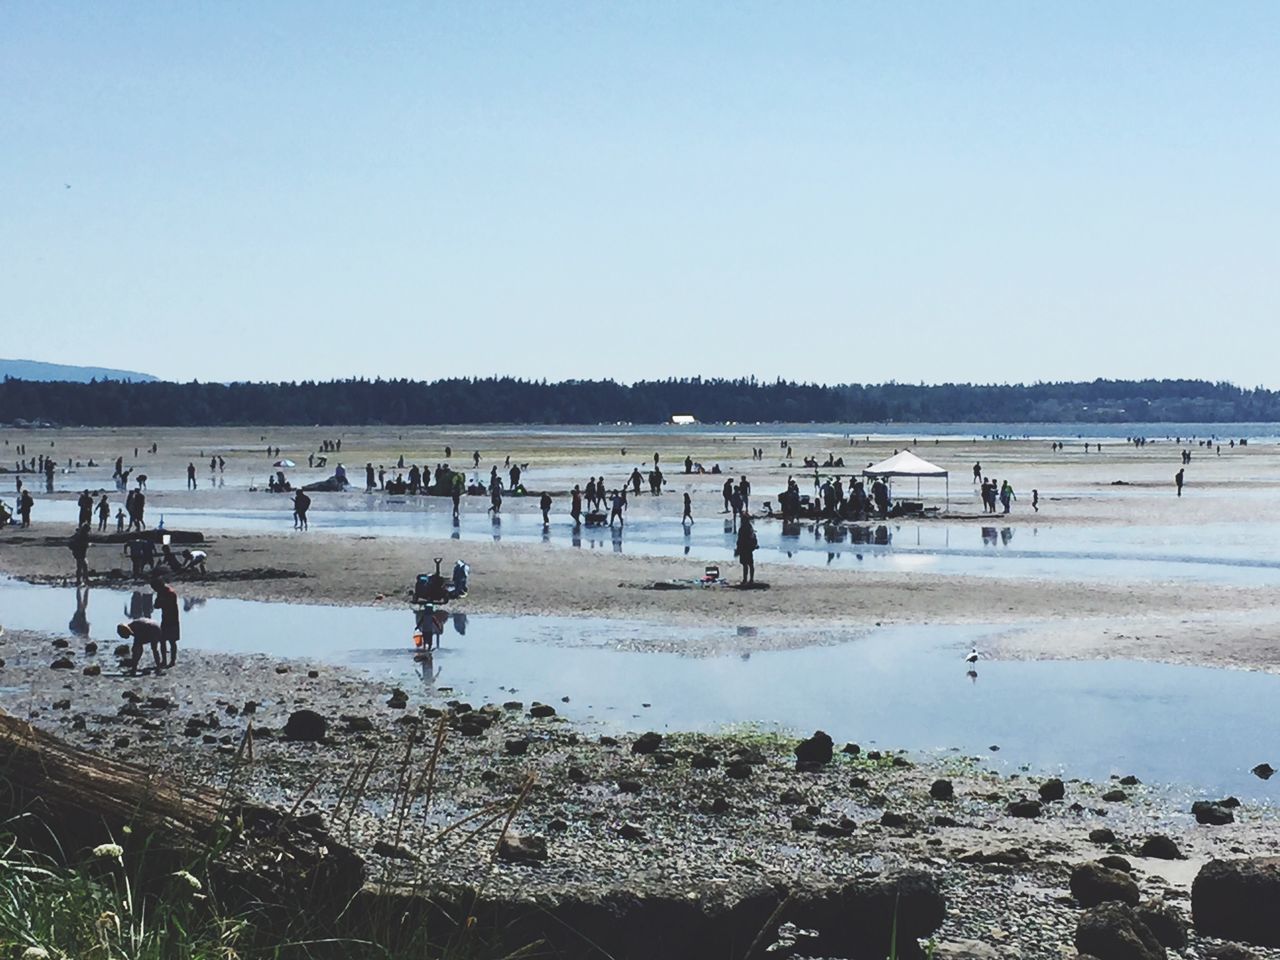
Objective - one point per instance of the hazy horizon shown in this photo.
(826, 193)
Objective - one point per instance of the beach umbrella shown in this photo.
(284, 463)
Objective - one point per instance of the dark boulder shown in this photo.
(1264, 771)
(857, 920)
(514, 848)
(305, 725)
(1160, 847)
(1102, 835)
(647, 743)
(1027, 809)
(1166, 922)
(1211, 813)
(1092, 884)
(942, 790)
(815, 750)
(1239, 900)
(1112, 931)
(1052, 790)
(854, 921)
(540, 711)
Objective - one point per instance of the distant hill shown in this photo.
(36, 370)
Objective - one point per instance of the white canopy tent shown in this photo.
(907, 464)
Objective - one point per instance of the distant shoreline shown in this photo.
(497, 400)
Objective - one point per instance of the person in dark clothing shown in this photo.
(688, 510)
(167, 603)
(745, 550)
(544, 503)
(143, 631)
(1177, 481)
(301, 503)
(370, 481)
(85, 503)
(575, 506)
(139, 510)
(880, 494)
(104, 514)
(141, 554)
(727, 492)
(455, 492)
(25, 503)
(191, 476)
(79, 546)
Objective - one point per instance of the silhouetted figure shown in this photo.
(745, 550)
(79, 547)
(167, 603)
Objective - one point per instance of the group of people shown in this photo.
(162, 637)
(41, 464)
(835, 501)
(24, 504)
(993, 490)
(596, 497)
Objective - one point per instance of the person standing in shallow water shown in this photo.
(1177, 481)
(688, 510)
(746, 549)
(167, 603)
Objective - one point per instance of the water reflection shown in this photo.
(79, 624)
(141, 604)
(1163, 723)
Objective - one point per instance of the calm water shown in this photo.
(1015, 546)
(1198, 730)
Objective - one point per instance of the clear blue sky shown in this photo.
(845, 191)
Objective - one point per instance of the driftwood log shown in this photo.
(69, 800)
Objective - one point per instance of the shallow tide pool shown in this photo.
(1196, 730)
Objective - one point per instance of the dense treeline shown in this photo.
(509, 400)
